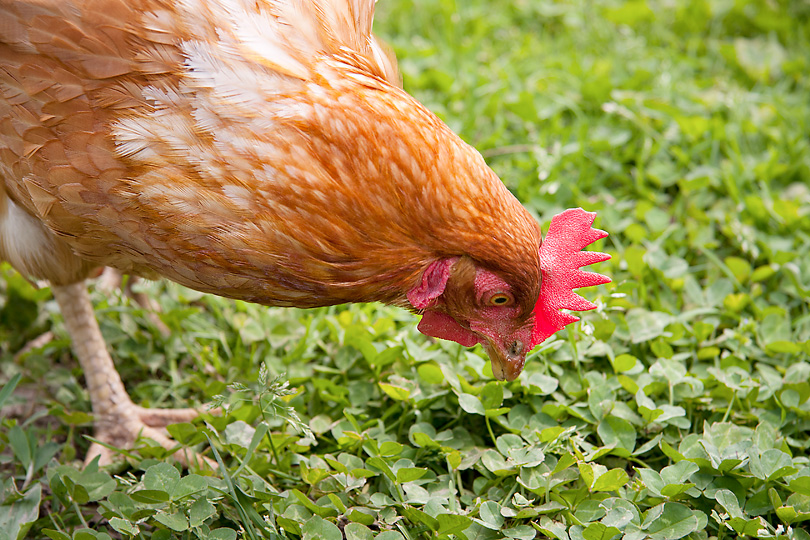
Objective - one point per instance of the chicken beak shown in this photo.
(507, 360)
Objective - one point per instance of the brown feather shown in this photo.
(307, 178)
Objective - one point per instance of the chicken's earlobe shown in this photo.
(434, 281)
(426, 295)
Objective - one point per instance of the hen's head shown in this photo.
(466, 303)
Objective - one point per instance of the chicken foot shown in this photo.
(117, 420)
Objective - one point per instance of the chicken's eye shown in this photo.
(500, 299)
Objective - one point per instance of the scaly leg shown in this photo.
(118, 421)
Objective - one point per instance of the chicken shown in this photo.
(261, 150)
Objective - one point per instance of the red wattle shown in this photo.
(443, 326)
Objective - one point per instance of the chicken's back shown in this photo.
(56, 59)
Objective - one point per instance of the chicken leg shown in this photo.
(118, 421)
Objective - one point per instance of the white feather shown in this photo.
(243, 58)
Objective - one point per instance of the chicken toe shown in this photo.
(122, 429)
(118, 421)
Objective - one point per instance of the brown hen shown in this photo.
(260, 150)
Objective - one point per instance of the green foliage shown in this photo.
(679, 408)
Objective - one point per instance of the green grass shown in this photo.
(679, 408)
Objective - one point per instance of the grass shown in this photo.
(680, 408)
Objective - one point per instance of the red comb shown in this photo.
(561, 256)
